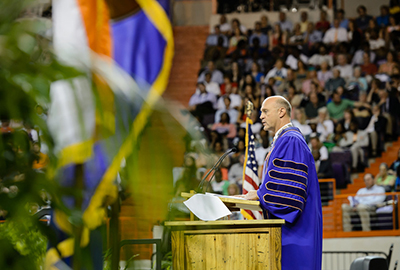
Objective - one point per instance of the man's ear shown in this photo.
(282, 112)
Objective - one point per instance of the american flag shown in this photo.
(250, 174)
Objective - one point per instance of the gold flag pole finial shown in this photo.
(249, 108)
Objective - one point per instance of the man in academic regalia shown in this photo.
(290, 189)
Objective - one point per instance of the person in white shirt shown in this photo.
(286, 25)
(236, 100)
(325, 125)
(335, 34)
(279, 73)
(345, 69)
(363, 204)
(224, 26)
(216, 75)
(233, 114)
(322, 56)
(211, 87)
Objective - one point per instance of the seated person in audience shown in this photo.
(336, 81)
(312, 37)
(216, 54)
(255, 73)
(376, 129)
(335, 34)
(384, 179)
(235, 40)
(323, 167)
(363, 113)
(390, 109)
(337, 135)
(260, 35)
(395, 165)
(211, 87)
(315, 144)
(218, 185)
(383, 19)
(367, 67)
(300, 121)
(224, 26)
(363, 18)
(236, 100)
(373, 94)
(346, 70)
(233, 113)
(358, 81)
(388, 66)
(241, 151)
(224, 127)
(237, 25)
(338, 105)
(313, 105)
(285, 25)
(322, 56)
(324, 74)
(277, 37)
(325, 126)
(340, 15)
(348, 117)
(364, 203)
(358, 58)
(216, 75)
(297, 37)
(355, 139)
(265, 27)
(235, 175)
(376, 40)
(279, 73)
(291, 79)
(395, 170)
(303, 21)
(212, 39)
(202, 103)
(323, 24)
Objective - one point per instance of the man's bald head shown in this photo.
(281, 102)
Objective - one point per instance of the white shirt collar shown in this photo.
(280, 131)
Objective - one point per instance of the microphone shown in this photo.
(214, 168)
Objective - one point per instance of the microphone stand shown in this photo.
(213, 169)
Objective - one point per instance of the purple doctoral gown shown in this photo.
(290, 191)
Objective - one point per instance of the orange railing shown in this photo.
(333, 222)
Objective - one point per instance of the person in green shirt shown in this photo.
(384, 179)
(338, 105)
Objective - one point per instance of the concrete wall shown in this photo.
(373, 7)
(364, 244)
(248, 19)
(195, 12)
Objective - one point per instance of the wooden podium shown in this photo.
(227, 244)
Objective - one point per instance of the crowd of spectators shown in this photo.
(341, 75)
(23, 152)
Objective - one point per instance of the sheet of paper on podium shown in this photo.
(207, 207)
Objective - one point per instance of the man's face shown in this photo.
(342, 60)
(336, 98)
(210, 66)
(336, 23)
(227, 103)
(304, 16)
(282, 16)
(368, 180)
(336, 73)
(202, 88)
(257, 27)
(208, 77)
(222, 20)
(361, 11)
(340, 15)
(269, 115)
(279, 64)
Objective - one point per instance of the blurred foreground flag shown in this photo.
(95, 119)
